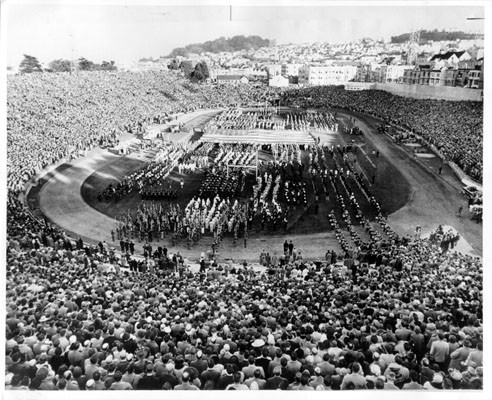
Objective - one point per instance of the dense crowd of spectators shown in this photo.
(403, 316)
(455, 128)
(391, 315)
(55, 116)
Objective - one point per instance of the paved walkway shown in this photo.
(61, 201)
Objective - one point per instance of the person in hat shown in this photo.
(390, 382)
(318, 379)
(435, 384)
(90, 385)
(199, 363)
(456, 378)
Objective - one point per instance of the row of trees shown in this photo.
(31, 64)
(437, 36)
(236, 43)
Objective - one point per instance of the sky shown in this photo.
(125, 31)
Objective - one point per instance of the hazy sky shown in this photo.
(125, 31)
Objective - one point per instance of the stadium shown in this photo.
(169, 236)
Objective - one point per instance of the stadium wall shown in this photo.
(431, 92)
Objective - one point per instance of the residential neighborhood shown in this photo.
(456, 63)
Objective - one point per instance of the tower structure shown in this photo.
(413, 47)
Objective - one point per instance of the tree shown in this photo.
(205, 71)
(197, 74)
(30, 64)
(60, 65)
(84, 64)
(201, 72)
(107, 66)
(187, 68)
(173, 65)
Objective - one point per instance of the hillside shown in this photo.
(436, 36)
(236, 43)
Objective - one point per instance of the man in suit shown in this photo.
(276, 381)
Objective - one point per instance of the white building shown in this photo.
(274, 69)
(326, 75)
(393, 73)
(278, 81)
(290, 69)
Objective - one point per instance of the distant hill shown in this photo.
(235, 43)
(436, 36)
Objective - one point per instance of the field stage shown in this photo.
(312, 232)
(310, 217)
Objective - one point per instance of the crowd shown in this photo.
(403, 316)
(213, 216)
(51, 117)
(267, 118)
(150, 179)
(219, 180)
(389, 314)
(318, 120)
(455, 128)
(236, 119)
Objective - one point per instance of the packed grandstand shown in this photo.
(381, 313)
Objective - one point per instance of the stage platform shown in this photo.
(258, 136)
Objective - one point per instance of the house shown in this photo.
(231, 80)
(450, 58)
(419, 75)
(393, 73)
